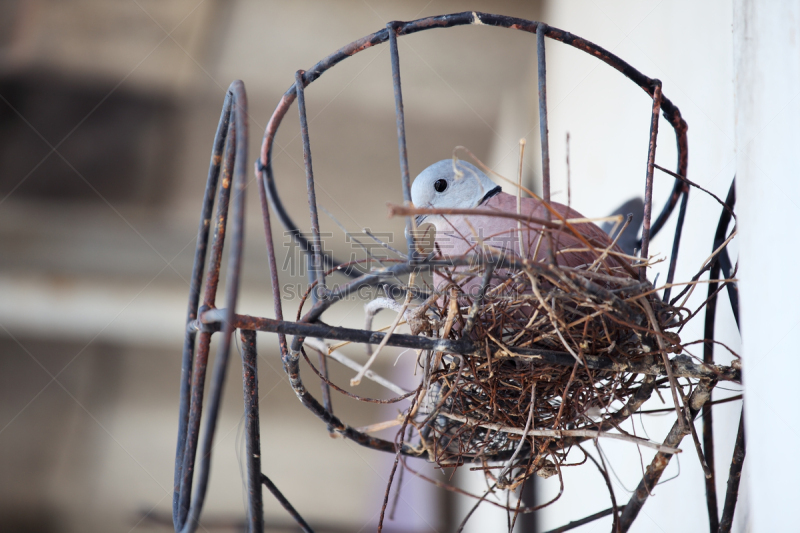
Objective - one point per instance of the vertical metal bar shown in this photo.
(193, 429)
(527, 521)
(708, 417)
(239, 122)
(734, 477)
(273, 264)
(209, 297)
(541, 28)
(278, 306)
(648, 188)
(676, 244)
(401, 133)
(255, 511)
(708, 358)
(316, 270)
(194, 295)
(326, 389)
(220, 231)
(316, 251)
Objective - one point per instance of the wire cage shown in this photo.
(227, 180)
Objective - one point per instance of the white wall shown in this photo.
(767, 67)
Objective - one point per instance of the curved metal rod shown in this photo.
(194, 294)
(187, 513)
(670, 111)
(708, 357)
(401, 133)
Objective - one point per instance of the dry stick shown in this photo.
(706, 263)
(569, 176)
(654, 470)
(501, 475)
(356, 380)
(527, 327)
(667, 364)
(368, 233)
(474, 507)
(693, 184)
(734, 477)
(397, 459)
(350, 236)
(339, 357)
(604, 473)
(401, 210)
(551, 314)
(331, 349)
(670, 409)
(372, 308)
(564, 433)
(519, 198)
(700, 455)
(372, 428)
(681, 283)
(346, 393)
(596, 263)
(452, 311)
(396, 498)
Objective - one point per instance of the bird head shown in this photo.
(451, 184)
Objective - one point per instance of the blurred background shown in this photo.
(107, 115)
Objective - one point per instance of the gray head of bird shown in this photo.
(450, 184)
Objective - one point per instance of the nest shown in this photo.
(488, 406)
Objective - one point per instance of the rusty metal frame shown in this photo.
(228, 161)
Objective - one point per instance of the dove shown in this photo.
(461, 185)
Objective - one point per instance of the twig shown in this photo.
(474, 507)
(367, 232)
(563, 433)
(372, 308)
(339, 357)
(519, 198)
(397, 458)
(380, 426)
(345, 343)
(604, 473)
(597, 262)
(356, 380)
(528, 424)
(552, 315)
(661, 460)
(693, 184)
(668, 366)
(706, 264)
(671, 409)
(709, 474)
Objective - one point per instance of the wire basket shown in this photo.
(547, 383)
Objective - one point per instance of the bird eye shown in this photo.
(440, 185)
